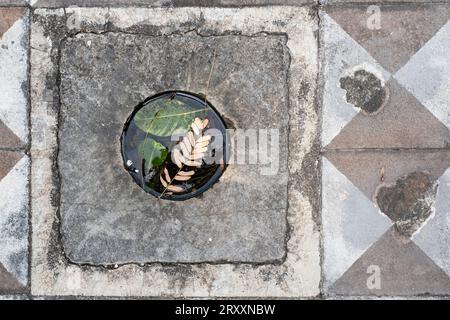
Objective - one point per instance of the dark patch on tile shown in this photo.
(365, 91)
(409, 202)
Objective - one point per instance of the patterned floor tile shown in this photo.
(14, 223)
(427, 75)
(434, 237)
(402, 267)
(368, 169)
(13, 70)
(386, 137)
(403, 29)
(351, 223)
(14, 164)
(340, 56)
(403, 122)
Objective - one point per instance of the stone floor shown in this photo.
(359, 92)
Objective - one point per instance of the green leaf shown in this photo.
(152, 152)
(162, 117)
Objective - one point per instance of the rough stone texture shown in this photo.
(299, 273)
(351, 223)
(409, 203)
(166, 3)
(106, 219)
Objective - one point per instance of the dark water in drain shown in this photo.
(141, 142)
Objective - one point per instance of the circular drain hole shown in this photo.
(174, 146)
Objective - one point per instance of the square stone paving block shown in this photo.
(90, 68)
(106, 217)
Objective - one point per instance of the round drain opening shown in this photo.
(174, 145)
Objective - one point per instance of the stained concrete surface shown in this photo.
(106, 219)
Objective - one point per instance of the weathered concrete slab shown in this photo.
(106, 219)
(298, 273)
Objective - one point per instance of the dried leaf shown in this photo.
(191, 138)
(202, 144)
(193, 163)
(195, 128)
(197, 156)
(166, 172)
(186, 173)
(188, 152)
(181, 178)
(176, 157)
(163, 182)
(203, 138)
(175, 188)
